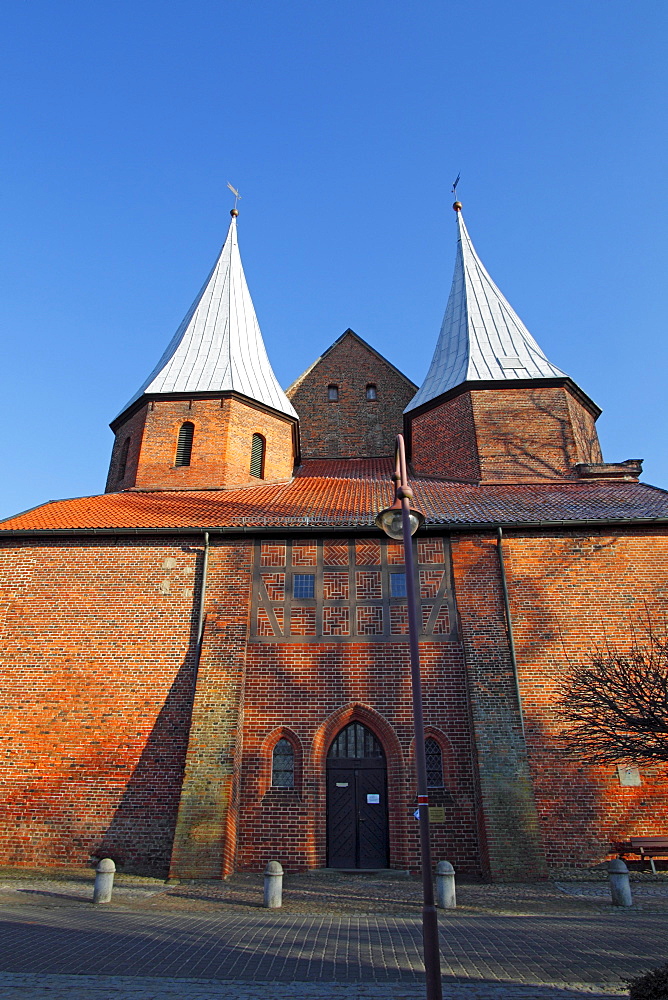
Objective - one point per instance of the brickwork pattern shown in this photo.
(132, 430)
(505, 435)
(305, 687)
(97, 662)
(207, 827)
(98, 666)
(221, 450)
(509, 828)
(528, 434)
(569, 595)
(443, 441)
(351, 426)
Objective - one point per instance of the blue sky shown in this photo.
(343, 124)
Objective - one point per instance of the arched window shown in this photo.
(356, 741)
(371, 391)
(123, 460)
(332, 393)
(434, 756)
(184, 445)
(257, 456)
(283, 765)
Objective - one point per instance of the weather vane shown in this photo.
(237, 196)
(457, 205)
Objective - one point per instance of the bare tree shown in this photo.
(615, 706)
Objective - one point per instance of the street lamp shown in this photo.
(400, 521)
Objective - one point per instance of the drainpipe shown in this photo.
(509, 623)
(202, 600)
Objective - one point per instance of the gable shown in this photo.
(352, 421)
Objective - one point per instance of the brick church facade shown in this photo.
(206, 667)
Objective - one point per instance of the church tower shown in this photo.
(211, 415)
(493, 408)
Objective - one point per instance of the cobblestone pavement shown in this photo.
(338, 937)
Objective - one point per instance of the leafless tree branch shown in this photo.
(615, 706)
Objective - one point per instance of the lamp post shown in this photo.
(400, 521)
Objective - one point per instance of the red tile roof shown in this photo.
(347, 493)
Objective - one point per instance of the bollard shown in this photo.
(445, 886)
(104, 881)
(620, 887)
(273, 885)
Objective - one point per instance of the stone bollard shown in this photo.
(104, 881)
(273, 885)
(445, 886)
(620, 887)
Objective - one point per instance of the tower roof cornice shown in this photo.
(482, 338)
(218, 347)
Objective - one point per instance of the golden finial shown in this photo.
(457, 206)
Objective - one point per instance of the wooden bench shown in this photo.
(646, 847)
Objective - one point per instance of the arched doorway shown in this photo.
(356, 800)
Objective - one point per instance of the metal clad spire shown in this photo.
(219, 347)
(482, 338)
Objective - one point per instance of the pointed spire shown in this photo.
(218, 346)
(482, 338)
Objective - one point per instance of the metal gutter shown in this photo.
(509, 625)
(309, 528)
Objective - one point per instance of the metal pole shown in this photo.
(432, 955)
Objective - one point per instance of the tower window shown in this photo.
(371, 392)
(257, 456)
(332, 393)
(123, 460)
(434, 757)
(184, 445)
(283, 765)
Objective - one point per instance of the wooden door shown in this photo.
(357, 827)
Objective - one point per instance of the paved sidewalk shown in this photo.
(338, 937)
(27, 987)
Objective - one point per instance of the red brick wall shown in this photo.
(352, 426)
(505, 434)
(444, 441)
(97, 670)
(314, 691)
(132, 429)
(587, 445)
(221, 450)
(510, 833)
(206, 832)
(97, 661)
(570, 594)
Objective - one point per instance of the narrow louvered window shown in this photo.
(184, 445)
(283, 765)
(371, 391)
(257, 456)
(332, 393)
(434, 757)
(123, 461)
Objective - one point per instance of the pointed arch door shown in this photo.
(357, 824)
